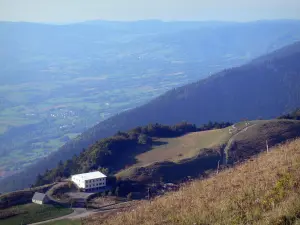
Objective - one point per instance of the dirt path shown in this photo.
(48, 193)
(230, 142)
(82, 212)
(77, 212)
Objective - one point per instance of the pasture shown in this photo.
(31, 213)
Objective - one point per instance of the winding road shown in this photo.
(83, 212)
(80, 212)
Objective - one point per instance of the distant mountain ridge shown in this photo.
(265, 88)
(226, 43)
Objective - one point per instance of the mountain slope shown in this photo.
(264, 190)
(265, 89)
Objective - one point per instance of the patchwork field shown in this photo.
(37, 118)
(37, 122)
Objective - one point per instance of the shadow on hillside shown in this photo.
(158, 143)
(177, 172)
(128, 158)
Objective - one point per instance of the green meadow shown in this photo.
(32, 213)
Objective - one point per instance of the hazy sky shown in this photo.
(80, 10)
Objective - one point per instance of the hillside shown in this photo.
(194, 153)
(263, 190)
(158, 153)
(121, 150)
(264, 89)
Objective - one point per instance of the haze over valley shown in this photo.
(149, 112)
(56, 81)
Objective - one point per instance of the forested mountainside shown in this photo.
(265, 89)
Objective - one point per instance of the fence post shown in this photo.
(218, 167)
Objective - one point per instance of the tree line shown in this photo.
(294, 115)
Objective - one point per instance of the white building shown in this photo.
(92, 181)
(40, 198)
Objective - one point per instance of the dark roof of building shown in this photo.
(38, 196)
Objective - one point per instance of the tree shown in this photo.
(39, 180)
(117, 191)
(143, 139)
(86, 203)
(104, 170)
(111, 181)
(70, 184)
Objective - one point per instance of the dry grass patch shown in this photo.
(184, 147)
(264, 190)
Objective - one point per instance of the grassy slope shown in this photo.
(186, 152)
(253, 139)
(263, 190)
(178, 149)
(187, 146)
(34, 213)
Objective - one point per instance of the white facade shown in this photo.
(90, 181)
(38, 202)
